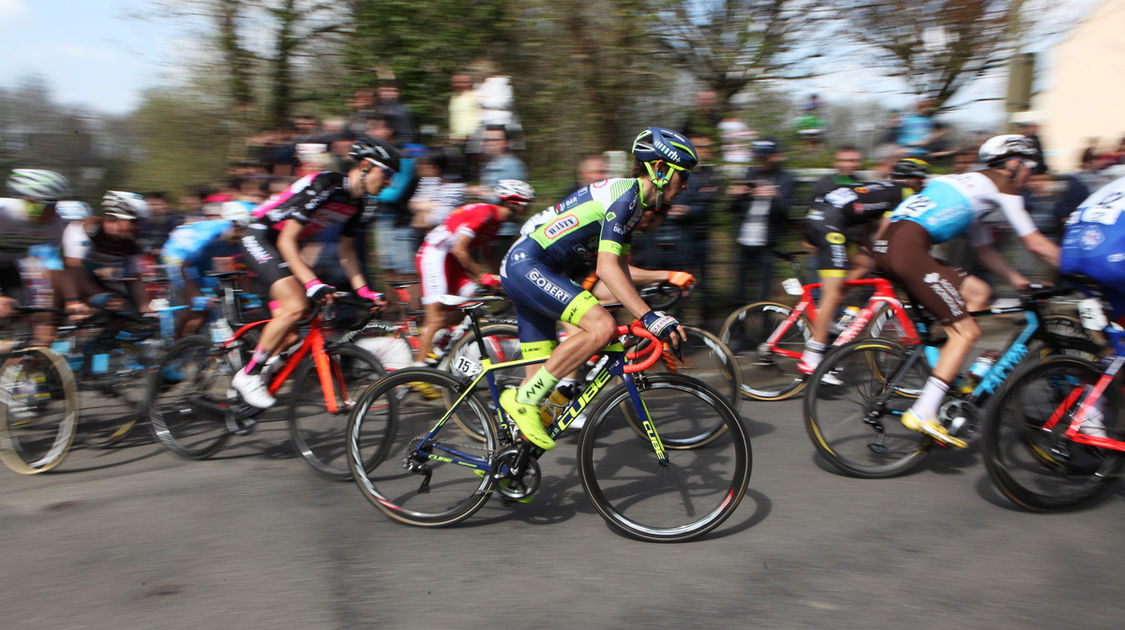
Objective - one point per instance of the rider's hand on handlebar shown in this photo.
(664, 327)
(316, 290)
(489, 280)
(681, 279)
(378, 302)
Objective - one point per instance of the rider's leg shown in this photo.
(291, 301)
(831, 296)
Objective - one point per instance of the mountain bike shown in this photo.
(1054, 436)
(419, 468)
(193, 410)
(769, 337)
(856, 424)
(38, 403)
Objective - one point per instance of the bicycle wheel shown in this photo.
(38, 410)
(856, 425)
(318, 435)
(695, 492)
(189, 395)
(502, 343)
(707, 359)
(384, 433)
(766, 375)
(1044, 470)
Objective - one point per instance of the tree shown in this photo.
(936, 46)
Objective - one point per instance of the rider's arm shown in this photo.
(647, 277)
(291, 251)
(614, 272)
(995, 262)
(460, 251)
(1024, 226)
(349, 262)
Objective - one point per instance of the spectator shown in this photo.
(940, 149)
(704, 119)
(278, 152)
(393, 234)
(495, 98)
(464, 112)
(810, 127)
(308, 129)
(1080, 185)
(893, 127)
(436, 197)
(160, 222)
(762, 201)
(963, 161)
(499, 164)
(690, 218)
(918, 128)
(364, 103)
(885, 156)
(395, 111)
(592, 168)
(736, 138)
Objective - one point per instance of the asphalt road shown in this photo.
(135, 537)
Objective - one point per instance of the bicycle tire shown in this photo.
(1042, 471)
(37, 437)
(319, 436)
(385, 426)
(114, 401)
(502, 342)
(191, 380)
(765, 374)
(856, 437)
(633, 492)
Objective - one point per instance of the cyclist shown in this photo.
(189, 253)
(271, 248)
(28, 219)
(445, 260)
(841, 224)
(102, 254)
(593, 230)
(1094, 243)
(948, 206)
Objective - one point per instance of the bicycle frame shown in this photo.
(313, 342)
(884, 294)
(616, 366)
(1073, 426)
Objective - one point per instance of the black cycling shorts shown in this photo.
(263, 261)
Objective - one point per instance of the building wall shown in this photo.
(1087, 94)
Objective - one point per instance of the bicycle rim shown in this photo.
(319, 435)
(691, 496)
(38, 410)
(856, 425)
(766, 375)
(1045, 471)
(384, 432)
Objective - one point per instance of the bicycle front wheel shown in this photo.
(854, 405)
(318, 434)
(38, 410)
(1043, 470)
(766, 373)
(690, 494)
(429, 481)
(189, 396)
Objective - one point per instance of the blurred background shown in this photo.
(198, 100)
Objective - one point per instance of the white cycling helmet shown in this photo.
(514, 190)
(37, 184)
(124, 205)
(1010, 145)
(239, 212)
(72, 210)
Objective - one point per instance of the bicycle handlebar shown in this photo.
(655, 349)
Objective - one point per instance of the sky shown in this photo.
(90, 52)
(97, 54)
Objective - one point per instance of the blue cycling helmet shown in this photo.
(658, 143)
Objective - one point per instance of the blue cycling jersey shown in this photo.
(952, 205)
(199, 242)
(1094, 243)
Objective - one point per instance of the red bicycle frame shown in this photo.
(1072, 430)
(884, 294)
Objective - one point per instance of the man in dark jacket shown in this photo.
(762, 201)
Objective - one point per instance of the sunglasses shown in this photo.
(685, 174)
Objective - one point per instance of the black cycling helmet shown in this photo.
(909, 168)
(374, 150)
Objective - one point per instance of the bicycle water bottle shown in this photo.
(983, 364)
(555, 403)
(221, 330)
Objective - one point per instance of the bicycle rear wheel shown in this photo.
(766, 375)
(189, 395)
(318, 435)
(695, 492)
(38, 410)
(856, 425)
(113, 401)
(421, 486)
(1044, 470)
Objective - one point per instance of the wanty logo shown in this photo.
(560, 226)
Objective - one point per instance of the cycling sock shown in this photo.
(926, 407)
(814, 352)
(533, 391)
(257, 360)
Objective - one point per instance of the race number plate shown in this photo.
(465, 365)
(1092, 314)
